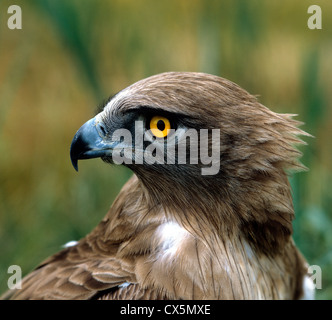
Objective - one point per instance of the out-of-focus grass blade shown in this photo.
(75, 33)
(13, 78)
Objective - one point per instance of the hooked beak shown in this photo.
(90, 142)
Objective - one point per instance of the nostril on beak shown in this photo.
(101, 128)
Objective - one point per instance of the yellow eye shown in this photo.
(159, 126)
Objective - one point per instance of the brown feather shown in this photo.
(233, 229)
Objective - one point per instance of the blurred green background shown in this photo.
(72, 54)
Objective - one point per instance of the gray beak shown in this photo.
(89, 142)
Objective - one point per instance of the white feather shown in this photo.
(171, 235)
(70, 244)
(308, 289)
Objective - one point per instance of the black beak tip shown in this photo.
(73, 158)
(76, 148)
(86, 143)
(75, 164)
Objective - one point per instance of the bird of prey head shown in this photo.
(254, 149)
(208, 213)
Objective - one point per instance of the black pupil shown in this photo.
(161, 125)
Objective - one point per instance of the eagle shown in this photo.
(206, 215)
